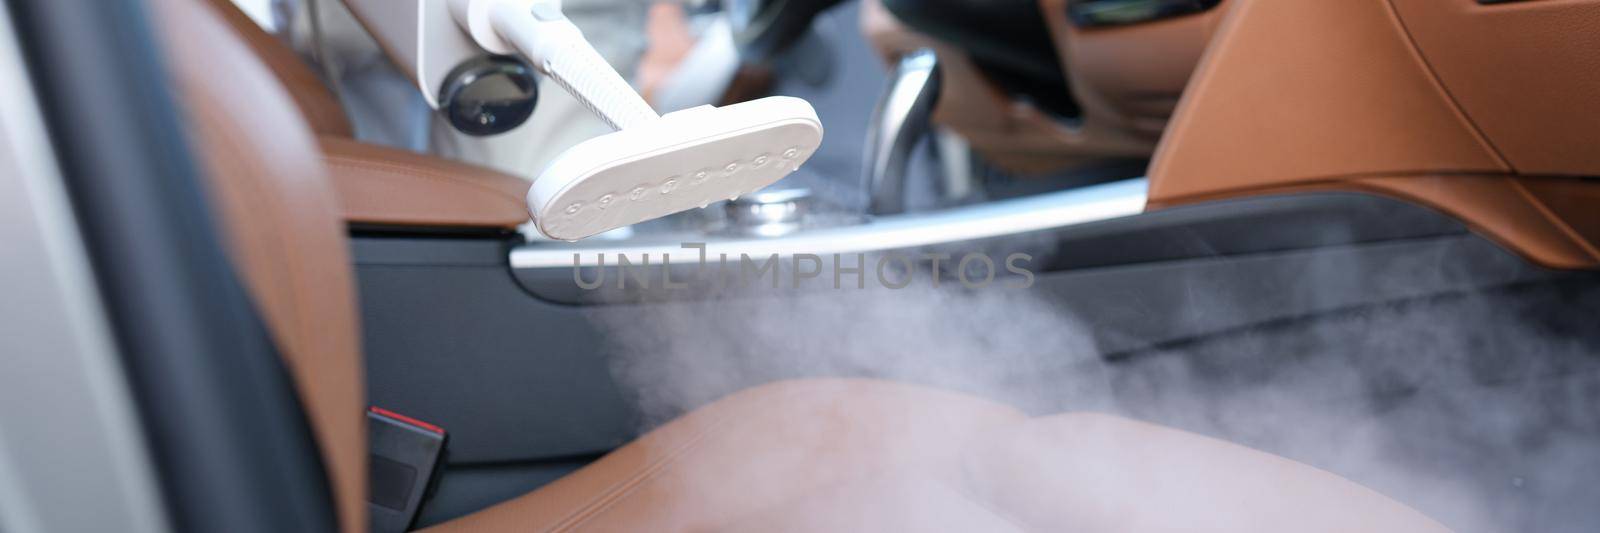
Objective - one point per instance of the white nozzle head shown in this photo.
(653, 166)
(681, 161)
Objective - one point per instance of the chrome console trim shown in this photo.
(897, 232)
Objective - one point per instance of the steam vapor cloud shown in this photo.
(1480, 410)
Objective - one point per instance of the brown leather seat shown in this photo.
(799, 455)
(864, 455)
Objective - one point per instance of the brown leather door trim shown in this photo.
(1528, 73)
(1299, 95)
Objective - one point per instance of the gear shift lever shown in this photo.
(900, 120)
(652, 166)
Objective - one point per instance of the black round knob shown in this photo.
(489, 95)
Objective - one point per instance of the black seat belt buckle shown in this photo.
(404, 455)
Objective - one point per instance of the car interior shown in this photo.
(1291, 265)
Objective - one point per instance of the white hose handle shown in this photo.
(556, 48)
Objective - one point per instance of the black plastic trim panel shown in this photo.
(453, 338)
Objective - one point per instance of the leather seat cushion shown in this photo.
(869, 455)
(1097, 472)
(754, 450)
